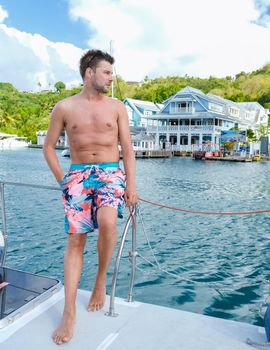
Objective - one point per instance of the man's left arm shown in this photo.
(128, 155)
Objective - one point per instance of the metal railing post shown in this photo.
(132, 255)
(111, 311)
(3, 233)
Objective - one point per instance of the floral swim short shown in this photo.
(87, 187)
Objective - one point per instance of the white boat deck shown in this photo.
(138, 326)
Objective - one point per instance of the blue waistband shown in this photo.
(91, 165)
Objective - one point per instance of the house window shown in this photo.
(234, 112)
(184, 140)
(216, 107)
(183, 107)
(143, 122)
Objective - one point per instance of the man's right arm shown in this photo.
(55, 128)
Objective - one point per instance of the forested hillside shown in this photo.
(24, 113)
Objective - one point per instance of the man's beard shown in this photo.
(103, 89)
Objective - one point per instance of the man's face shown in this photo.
(103, 76)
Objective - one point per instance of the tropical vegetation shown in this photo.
(24, 113)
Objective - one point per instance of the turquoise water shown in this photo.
(222, 262)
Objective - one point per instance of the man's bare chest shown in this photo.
(92, 122)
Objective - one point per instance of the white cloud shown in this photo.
(30, 59)
(3, 14)
(150, 37)
(198, 38)
(263, 6)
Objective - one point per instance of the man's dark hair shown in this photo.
(92, 58)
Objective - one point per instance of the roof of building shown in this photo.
(146, 105)
(219, 99)
(250, 106)
(191, 90)
(136, 129)
(3, 134)
(142, 137)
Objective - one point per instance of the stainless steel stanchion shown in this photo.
(111, 311)
(133, 255)
(3, 233)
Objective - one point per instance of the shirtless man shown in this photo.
(94, 187)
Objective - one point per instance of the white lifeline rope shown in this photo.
(157, 265)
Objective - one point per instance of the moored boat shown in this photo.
(126, 325)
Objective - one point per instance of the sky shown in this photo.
(41, 42)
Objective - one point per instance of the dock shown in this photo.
(230, 159)
(202, 155)
(182, 153)
(33, 145)
(138, 154)
(154, 154)
(171, 153)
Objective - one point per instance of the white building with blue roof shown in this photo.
(140, 111)
(191, 117)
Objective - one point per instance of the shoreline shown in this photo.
(169, 154)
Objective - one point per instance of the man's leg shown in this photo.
(72, 271)
(107, 223)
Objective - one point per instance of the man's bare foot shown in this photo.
(98, 297)
(64, 332)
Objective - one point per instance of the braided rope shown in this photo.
(205, 212)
